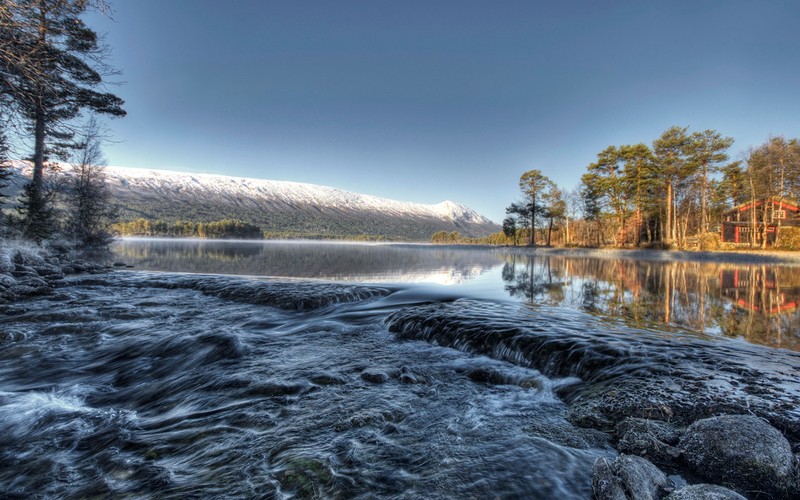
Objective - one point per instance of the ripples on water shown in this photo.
(183, 385)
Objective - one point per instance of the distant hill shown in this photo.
(280, 207)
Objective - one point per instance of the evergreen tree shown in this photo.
(555, 209)
(591, 198)
(510, 229)
(52, 72)
(609, 183)
(732, 188)
(533, 185)
(673, 164)
(708, 151)
(641, 185)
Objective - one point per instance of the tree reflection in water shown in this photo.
(757, 302)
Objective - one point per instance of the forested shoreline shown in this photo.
(672, 194)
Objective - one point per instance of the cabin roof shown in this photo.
(785, 203)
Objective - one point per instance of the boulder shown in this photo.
(652, 439)
(628, 478)
(742, 452)
(704, 492)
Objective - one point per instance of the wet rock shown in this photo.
(48, 270)
(408, 376)
(628, 478)
(327, 379)
(487, 376)
(374, 377)
(566, 434)
(22, 271)
(704, 492)
(742, 452)
(7, 281)
(30, 286)
(370, 418)
(531, 383)
(651, 439)
(275, 389)
(6, 265)
(152, 477)
(306, 477)
(119, 264)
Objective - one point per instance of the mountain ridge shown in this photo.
(280, 206)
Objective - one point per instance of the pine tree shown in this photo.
(708, 151)
(674, 167)
(58, 78)
(533, 184)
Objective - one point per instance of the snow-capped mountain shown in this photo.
(281, 206)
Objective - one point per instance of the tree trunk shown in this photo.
(668, 238)
(704, 207)
(532, 235)
(752, 213)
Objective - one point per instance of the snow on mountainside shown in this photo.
(286, 191)
(282, 207)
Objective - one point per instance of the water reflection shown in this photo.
(754, 302)
(302, 259)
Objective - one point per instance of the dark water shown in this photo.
(361, 371)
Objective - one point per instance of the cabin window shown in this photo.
(778, 214)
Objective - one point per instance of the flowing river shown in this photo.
(290, 369)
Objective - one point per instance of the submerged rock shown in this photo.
(704, 492)
(487, 376)
(375, 377)
(628, 478)
(409, 376)
(743, 452)
(327, 379)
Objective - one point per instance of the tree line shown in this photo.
(665, 194)
(53, 79)
(222, 229)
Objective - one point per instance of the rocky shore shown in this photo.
(27, 270)
(734, 457)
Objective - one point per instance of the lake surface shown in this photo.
(759, 303)
(294, 369)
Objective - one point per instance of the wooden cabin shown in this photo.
(737, 223)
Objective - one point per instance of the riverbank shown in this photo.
(28, 270)
(739, 256)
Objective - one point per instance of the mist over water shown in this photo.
(272, 370)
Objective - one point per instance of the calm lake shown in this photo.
(297, 369)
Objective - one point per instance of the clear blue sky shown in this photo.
(432, 100)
